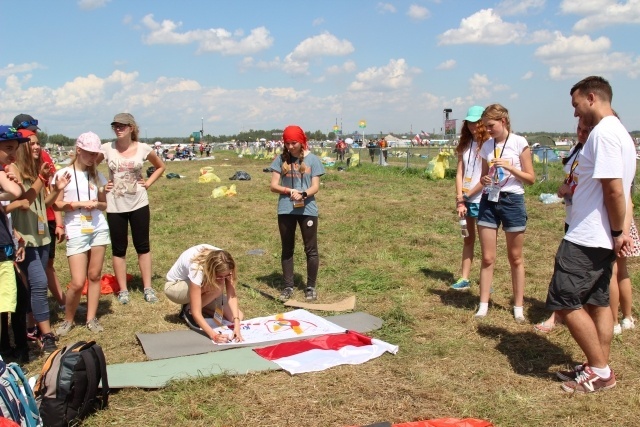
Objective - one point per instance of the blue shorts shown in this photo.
(509, 211)
(472, 209)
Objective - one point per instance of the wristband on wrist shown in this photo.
(60, 226)
(285, 191)
(42, 178)
(616, 233)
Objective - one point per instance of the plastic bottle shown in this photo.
(463, 228)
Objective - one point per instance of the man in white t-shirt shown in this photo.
(579, 288)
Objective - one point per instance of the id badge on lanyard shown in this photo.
(218, 316)
(466, 185)
(41, 225)
(86, 226)
(494, 193)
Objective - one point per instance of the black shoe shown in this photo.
(48, 343)
(190, 321)
(310, 294)
(285, 294)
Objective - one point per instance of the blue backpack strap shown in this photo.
(33, 418)
(10, 404)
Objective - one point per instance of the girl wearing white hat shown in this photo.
(82, 202)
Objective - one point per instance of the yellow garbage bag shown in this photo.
(437, 166)
(223, 190)
(208, 177)
(206, 169)
(355, 159)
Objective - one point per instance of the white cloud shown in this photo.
(520, 7)
(599, 14)
(385, 7)
(447, 65)
(19, 68)
(211, 40)
(395, 75)
(92, 4)
(418, 13)
(317, 21)
(347, 67)
(484, 27)
(127, 19)
(325, 44)
(528, 75)
(577, 56)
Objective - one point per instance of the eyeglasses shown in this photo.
(224, 277)
(119, 126)
(13, 133)
(28, 123)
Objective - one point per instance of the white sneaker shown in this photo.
(628, 323)
(617, 329)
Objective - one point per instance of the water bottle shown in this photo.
(463, 228)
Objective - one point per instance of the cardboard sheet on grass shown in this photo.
(294, 325)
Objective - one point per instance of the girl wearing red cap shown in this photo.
(296, 177)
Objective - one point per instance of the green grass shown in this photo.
(388, 235)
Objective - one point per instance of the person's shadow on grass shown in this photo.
(529, 354)
(443, 275)
(274, 280)
(458, 299)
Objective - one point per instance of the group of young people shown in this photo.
(202, 280)
(590, 281)
(30, 184)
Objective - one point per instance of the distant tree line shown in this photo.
(545, 138)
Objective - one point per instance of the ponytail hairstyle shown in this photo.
(497, 112)
(213, 262)
(293, 134)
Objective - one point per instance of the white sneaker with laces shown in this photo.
(628, 323)
(617, 329)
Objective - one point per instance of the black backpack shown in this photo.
(68, 387)
(241, 176)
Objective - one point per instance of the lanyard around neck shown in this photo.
(473, 169)
(88, 184)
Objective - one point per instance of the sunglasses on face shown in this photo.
(13, 133)
(28, 123)
(119, 126)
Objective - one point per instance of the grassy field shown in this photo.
(390, 237)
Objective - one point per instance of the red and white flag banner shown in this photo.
(326, 351)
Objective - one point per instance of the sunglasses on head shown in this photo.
(119, 126)
(28, 123)
(13, 133)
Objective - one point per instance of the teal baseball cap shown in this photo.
(474, 114)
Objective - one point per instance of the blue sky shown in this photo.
(240, 65)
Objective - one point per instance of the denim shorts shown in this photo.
(472, 209)
(509, 211)
(85, 242)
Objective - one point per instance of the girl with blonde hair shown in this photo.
(507, 165)
(197, 281)
(83, 201)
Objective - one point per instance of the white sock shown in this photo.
(518, 312)
(483, 309)
(603, 373)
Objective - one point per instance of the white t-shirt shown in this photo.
(125, 172)
(511, 149)
(80, 189)
(183, 269)
(609, 153)
(572, 164)
(472, 170)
